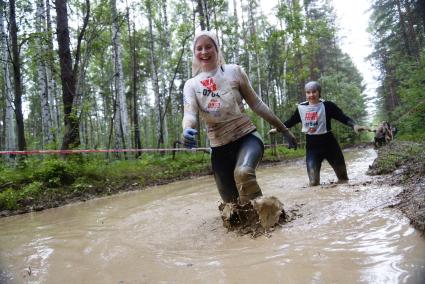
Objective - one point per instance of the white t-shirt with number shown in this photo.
(313, 118)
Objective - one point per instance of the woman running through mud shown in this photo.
(216, 91)
(315, 115)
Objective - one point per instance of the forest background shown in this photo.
(109, 75)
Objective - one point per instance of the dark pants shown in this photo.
(234, 167)
(324, 147)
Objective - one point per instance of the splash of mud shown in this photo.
(257, 217)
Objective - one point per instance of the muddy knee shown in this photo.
(246, 183)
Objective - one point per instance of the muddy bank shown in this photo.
(403, 163)
(53, 197)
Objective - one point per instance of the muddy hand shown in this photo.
(290, 138)
(359, 128)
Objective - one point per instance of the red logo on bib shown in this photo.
(311, 116)
(209, 84)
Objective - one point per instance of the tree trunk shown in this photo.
(52, 86)
(392, 99)
(403, 29)
(166, 74)
(17, 77)
(134, 79)
(46, 120)
(206, 13)
(200, 10)
(121, 118)
(155, 80)
(71, 137)
(236, 35)
(2, 123)
(420, 5)
(9, 125)
(413, 40)
(245, 39)
(69, 73)
(297, 45)
(253, 31)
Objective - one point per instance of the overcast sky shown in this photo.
(353, 18)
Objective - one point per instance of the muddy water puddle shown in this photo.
(174, 234)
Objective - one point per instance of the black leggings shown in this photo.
(234, 167)
(330, 151)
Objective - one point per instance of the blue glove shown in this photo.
(189, 137)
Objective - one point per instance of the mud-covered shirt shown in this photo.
(218, 98)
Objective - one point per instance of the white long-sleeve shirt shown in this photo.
(218, 97)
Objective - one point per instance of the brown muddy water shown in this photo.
(174, 234)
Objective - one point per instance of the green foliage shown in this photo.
(54, 173)
(82, 183)
(409, 116)
(34, 189)
(19, 175)
(399, 49)
(280, 153)
(300, 46)
(8, 200)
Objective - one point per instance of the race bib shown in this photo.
(313, 118)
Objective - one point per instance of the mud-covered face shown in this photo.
(206, 53)
(312, 96)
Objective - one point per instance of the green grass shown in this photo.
(393, 155)
(282, 153)
(39, 181)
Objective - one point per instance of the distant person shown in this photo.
(383, 134)
(389, 133)
(315, 115)
(216, 92)
(394, 131)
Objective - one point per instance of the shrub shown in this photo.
(8, 200)
(55, 173)
(34, 189)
